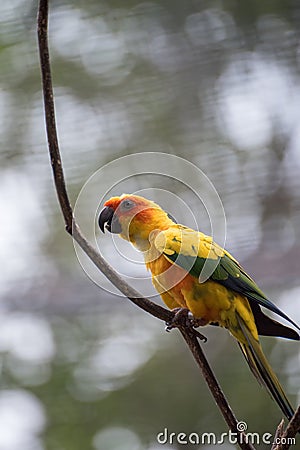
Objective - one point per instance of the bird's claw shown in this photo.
(184, 317)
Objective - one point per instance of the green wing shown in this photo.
(191, 250)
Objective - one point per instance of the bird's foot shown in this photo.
(184, 317)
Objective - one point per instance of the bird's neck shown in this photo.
(142, 234)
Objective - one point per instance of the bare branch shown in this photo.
(279, 432)
(73, 229)
(285, 439)
(133, 295)
(50, 115)
(194, 346)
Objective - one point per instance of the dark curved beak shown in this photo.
(105, 218)
(108, 220)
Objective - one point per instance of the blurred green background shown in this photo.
(215, 82)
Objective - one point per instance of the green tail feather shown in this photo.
(263, 371)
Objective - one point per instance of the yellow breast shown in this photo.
(209, 301)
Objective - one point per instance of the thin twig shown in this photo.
(54, 152)
(279, 432)
(133, 295)
(285, 439)
(73, 229)
(194, 346)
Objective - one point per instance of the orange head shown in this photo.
(134, 218)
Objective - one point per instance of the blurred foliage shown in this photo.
(214, 82)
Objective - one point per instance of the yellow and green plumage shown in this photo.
(177, 256)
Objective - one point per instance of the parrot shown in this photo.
(229, 297)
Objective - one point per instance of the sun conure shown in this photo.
(175, 255)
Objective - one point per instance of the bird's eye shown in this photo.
(127, 204)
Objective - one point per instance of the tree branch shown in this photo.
(284, 439)
(73, 229)
(54, 152)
